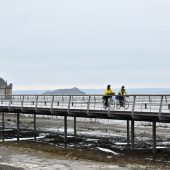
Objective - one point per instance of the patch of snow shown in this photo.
(120, 143)
(149, 159)
(95, 167)
(15, 139)
(108, 151)
(163, 143)
(58, 130)
(100, 133)
(10, 164)
(88, 140)
(161, 147)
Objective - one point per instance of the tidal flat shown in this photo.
(97, 145)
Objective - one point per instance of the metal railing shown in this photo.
(137, 103)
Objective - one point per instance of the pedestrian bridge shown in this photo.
(153, 108)
(140, 107)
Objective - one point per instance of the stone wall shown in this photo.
(6, 89)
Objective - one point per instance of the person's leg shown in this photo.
(118, 99)
(121, 101)
(107, 101)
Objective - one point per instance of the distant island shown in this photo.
(72, 91)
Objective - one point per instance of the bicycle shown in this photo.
(110, 104)
(122, 103)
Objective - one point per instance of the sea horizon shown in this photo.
(100, 91)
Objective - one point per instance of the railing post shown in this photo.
(128, 133)
(166, 99)
(22, 103)
(160, 108)
(75, 126)
(132, 135)
(65, 131)
(18, 122)
(69, 102)
(133, 107)
(51, 108)
(9, 105)
(154, 136)
(149, 99)
(3, 126)
(35, 132)
(36, 104)
(88, 106)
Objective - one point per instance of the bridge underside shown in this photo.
(120, 115)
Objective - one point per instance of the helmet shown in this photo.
(108, 86)
(123, 87)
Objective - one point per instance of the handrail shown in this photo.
(86, 95)
(152, 103)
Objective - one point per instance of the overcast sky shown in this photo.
(51, 44)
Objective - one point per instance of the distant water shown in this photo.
(100, 91)
(29, 92)
(132, 91)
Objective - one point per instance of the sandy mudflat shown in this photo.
(97, 146)
(19, 158)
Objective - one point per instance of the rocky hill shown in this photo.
(72, 91)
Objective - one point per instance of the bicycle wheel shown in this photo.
(117, 104)
(126, 104)
(111, 104)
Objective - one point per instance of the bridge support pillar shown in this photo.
(35, 131)
(128, 133)
(75, 133)
(154, 136)
(65, 131)
(3, 126)
(18, 127)
(132, 135)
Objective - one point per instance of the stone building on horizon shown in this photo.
(5, 88)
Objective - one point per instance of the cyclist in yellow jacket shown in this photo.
(108, 92)
(121, 95)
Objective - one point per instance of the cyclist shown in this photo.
(108, 93)
(121, 94)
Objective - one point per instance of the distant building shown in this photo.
(5, 89)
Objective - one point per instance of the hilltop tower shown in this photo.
(5, 88)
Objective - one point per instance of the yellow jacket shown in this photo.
(122, 92)
(108, 92)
